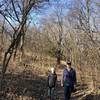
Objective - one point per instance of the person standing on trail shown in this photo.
(68, 80)
(51, 83)
(58, 56)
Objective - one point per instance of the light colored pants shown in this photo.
(51, 93)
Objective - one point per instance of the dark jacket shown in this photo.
(69, 77)
(51, 81)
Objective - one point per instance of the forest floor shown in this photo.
(33, 87)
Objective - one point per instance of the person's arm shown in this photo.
(48, 81)
(75, 79)
(55, 79)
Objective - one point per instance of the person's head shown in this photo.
(68, 64)
(52, 70)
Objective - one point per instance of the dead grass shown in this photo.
(27, 79)
(40, 66)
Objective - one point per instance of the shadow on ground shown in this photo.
(92, 97)
(19, 87)
(77, 95)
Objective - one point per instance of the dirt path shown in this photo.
(27, 88)
(78, 95)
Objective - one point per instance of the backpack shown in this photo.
(52, 80)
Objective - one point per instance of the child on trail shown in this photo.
(51, 83)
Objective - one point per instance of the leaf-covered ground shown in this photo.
(31, 87)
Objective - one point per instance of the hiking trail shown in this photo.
(78, 95)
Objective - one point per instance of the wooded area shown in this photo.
(67, 30)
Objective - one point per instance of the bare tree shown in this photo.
(18, 12)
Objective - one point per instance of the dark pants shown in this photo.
(51, 93)
(67, 92)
